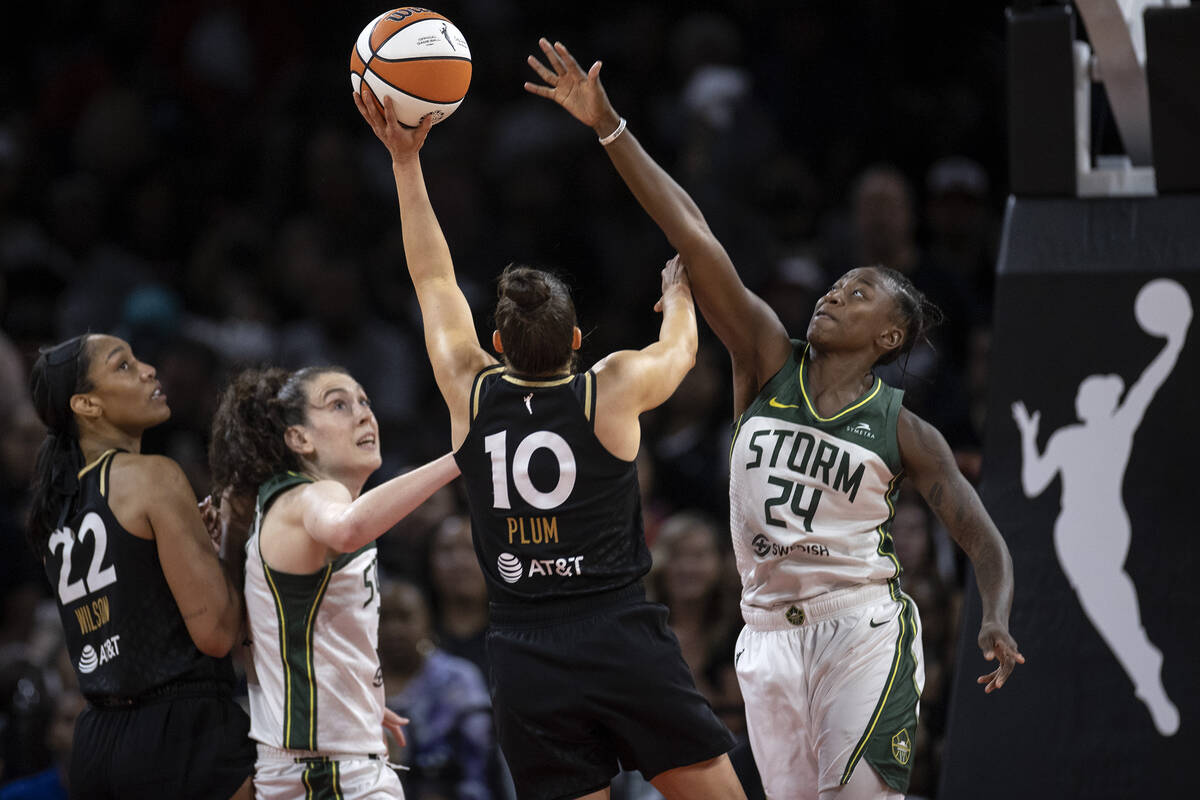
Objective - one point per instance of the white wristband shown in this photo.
(607, 140)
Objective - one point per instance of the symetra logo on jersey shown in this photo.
(512, 569)
(862, 429)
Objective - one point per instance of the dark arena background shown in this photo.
(194, 177)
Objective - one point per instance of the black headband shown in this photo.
(53, 381)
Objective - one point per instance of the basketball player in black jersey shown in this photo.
(149, 613)
(584, 673)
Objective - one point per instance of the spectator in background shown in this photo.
(689, 453)
(687, 579)
(58, 736)
(695, 578)
(451, 745)
(884, 233)
(963, 232)
(458, 595)
(338, 327)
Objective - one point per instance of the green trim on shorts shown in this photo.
(887, 742)
(320, 780)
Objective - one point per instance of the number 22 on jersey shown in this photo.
(98, 576)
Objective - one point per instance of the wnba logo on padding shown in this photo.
(510, 567)
(902, 747)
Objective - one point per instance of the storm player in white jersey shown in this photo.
(830, 658)
(304, 443)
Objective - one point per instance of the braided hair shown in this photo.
(917, 313)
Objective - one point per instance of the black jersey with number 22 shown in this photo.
(124, 632)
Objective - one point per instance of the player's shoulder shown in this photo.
(159, 473)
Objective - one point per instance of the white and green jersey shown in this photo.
(811, 497)
(314, 642)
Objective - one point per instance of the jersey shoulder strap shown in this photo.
(273, 486)
(480, 383)
(584, 386)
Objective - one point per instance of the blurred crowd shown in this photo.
(194, 177)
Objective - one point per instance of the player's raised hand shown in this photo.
(996, 643)
(674, 278)
(565, 82)
(400, 140)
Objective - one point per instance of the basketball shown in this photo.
(1162, 307)
(418, 58)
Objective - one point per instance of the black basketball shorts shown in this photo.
(179, 747)
(590, 686)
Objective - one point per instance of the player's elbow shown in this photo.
(349, 535)
(696, 240)
(218, 637)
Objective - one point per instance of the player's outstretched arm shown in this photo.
(630, 382)
(450, 337)
(930, 464)
(750, 330)
(336, 520)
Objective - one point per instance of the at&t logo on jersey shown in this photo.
(512, 570)
(89, 659)
(510, 567)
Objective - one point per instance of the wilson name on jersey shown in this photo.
(553, 513)
(811, 497)
(123, 628)
(317, 681)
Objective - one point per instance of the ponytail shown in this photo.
(59, 373)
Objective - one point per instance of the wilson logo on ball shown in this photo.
(418, 58)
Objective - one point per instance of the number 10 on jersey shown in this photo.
(496, 446)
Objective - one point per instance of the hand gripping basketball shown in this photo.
(400, 141)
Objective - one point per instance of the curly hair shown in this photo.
(535, 316)
(256, 409)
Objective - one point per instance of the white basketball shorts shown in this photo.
(831, 682)
(284, 775)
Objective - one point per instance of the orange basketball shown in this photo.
(418, 58)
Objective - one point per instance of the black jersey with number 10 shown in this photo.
(554, 514)
(124, 632)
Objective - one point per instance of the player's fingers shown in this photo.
(556, 63)
(594, 72)
(539, 90)
(567, 58)
(543, 72)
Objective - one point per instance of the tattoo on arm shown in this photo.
(935, 495)
(193, 614)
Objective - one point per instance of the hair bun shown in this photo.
(526, 288)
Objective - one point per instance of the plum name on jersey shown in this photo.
(532, 530)
(806, 455)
